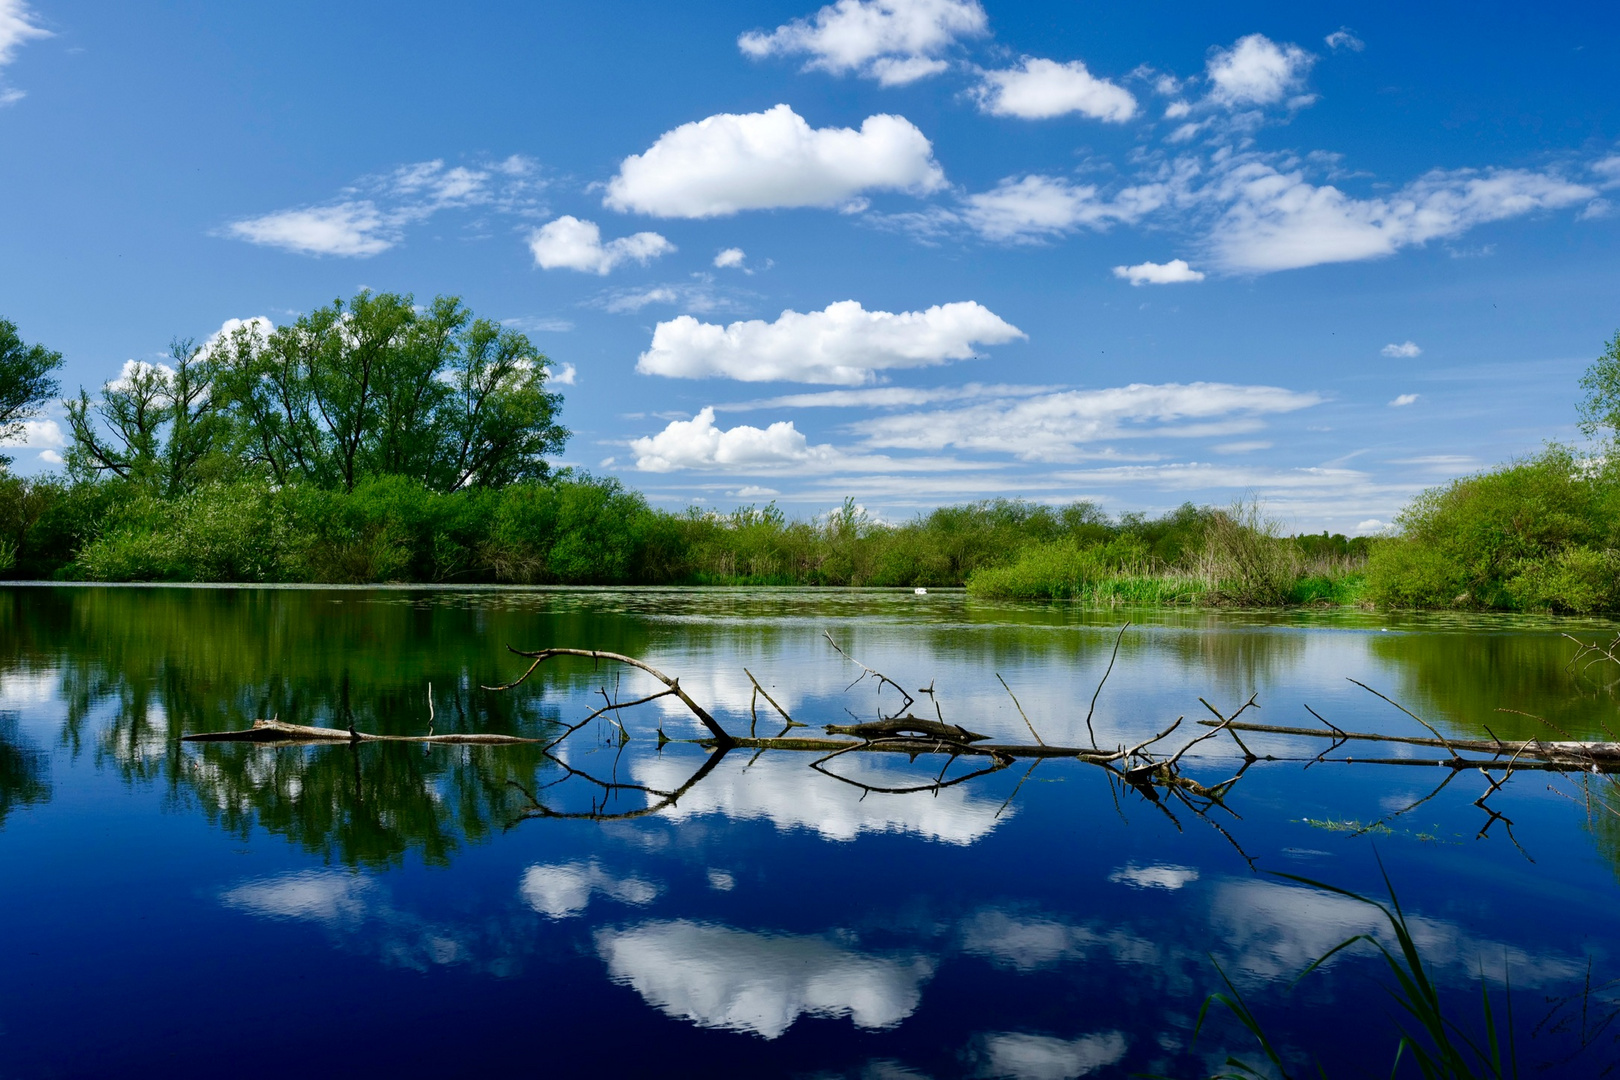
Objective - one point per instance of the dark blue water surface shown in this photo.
(191, 909)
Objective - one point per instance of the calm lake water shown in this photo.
(215, 909)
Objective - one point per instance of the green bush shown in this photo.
(1537, 534)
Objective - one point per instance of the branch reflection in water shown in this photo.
(901, 774)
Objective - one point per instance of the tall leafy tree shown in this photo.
(377, 387)
(156, 424)
(25, 380)
(1601, 407)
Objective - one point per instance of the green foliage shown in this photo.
(1600, 408)
(156, 426)
(580, 530)
(25, 380)
(1540, 534)
(377, 388)
(220, 532)
(351, 392)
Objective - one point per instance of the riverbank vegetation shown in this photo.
(575, 529)
(375, 440)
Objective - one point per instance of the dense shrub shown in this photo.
(1540, 534)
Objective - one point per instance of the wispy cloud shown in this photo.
(1055, 426)
(372, 215)
(886, 397)
(17, 28)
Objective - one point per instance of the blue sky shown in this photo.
(913, 251)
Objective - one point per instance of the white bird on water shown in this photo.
(920, 591)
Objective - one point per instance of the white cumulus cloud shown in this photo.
(1403, 400)
(843, 345)
(45, 435)
(572, 244)
(730, 258)
(1256, 71)
(1279, 221)
(1038, 89)
(1152, 273)
(772, 159)
(259, 325)
(698, 444)
(893, 41)
(1406, 349)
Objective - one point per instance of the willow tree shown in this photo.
(374, 386)
(156, 424)
(377, 387)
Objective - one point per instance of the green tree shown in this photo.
(376, 387)
(1601, 406)
(155, 425)
(25, 381)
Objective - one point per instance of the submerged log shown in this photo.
(275, 731)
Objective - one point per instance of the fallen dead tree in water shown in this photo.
(277, 733)
(1156, 775)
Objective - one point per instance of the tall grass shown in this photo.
(1427, 1034)
(1235, 556)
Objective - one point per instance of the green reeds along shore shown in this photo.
(1236, 558)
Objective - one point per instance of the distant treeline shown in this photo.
(579, 530)
(377, 441)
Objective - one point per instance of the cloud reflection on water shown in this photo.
(738, 980)
(324, 896)
(1276, 931)
(357, 912)
(1031, 942)
(1159, 876)
(561, 891)
(1042, 1057)
(783, 791)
